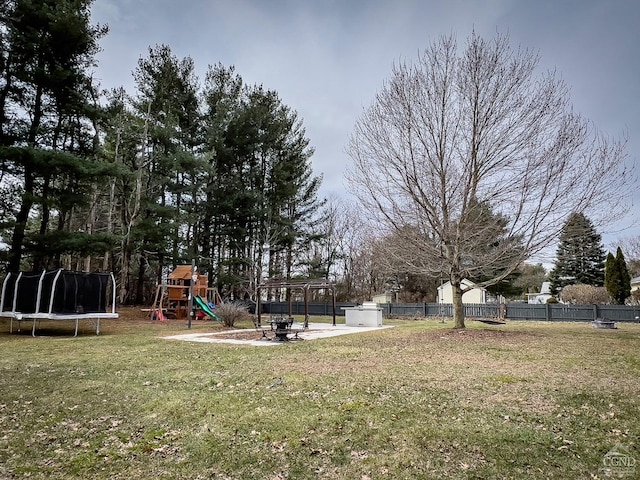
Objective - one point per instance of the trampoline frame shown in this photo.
(48, 314)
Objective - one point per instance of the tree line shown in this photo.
(138, 183)
(464, 167)
(583, 273)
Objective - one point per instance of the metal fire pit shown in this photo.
(282, 329)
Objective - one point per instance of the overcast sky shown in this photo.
(328, 58)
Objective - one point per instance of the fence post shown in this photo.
(595, 311)
(547, 312)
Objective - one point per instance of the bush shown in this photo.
(552, 300)
(231, 313)
(584, 294)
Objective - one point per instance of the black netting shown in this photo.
(27, 297)
(9, 289)
(73, 292)
(77, 292)
(45, 295)
(92, 292)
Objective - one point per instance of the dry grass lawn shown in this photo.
(522, 400)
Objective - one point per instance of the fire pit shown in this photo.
(281, 327)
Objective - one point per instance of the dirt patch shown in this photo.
(250, 334)
(240, 335)
(142, 316)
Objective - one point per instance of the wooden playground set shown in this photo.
(185, 289)
(67, 295)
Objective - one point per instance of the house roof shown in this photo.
(465, 283)
(635, 280)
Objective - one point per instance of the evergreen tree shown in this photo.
(260, 190)
(487, 241)
(625, 277)
(167, 100)
(617, 277)
(47, 126)
(580, 256)
(531, 278)
(611, 275)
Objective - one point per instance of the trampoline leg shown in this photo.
(98, 328)
(76, 334)
(33, 330)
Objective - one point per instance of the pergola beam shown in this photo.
(303, 284)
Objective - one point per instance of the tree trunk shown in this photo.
(107, 254)
(90, 224)
(17, 239)
(458, 307)
(124, 273)
(142, 268)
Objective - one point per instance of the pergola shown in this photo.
(305, 285)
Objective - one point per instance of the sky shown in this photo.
(327, 59)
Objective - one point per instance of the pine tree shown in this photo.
(47, 113)
(167, 100)
(580, 255)
(260, 192)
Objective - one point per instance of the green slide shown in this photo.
(204, 306)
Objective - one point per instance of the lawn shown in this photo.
(522, 400)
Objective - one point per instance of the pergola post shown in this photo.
(333, 301)
(259, 306)
(305, 289)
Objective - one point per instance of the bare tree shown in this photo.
(631, 247)
(476, 161)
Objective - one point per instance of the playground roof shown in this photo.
(181, 272)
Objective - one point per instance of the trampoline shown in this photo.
(58, 295)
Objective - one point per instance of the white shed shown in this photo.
(542, 296)
(475, 295)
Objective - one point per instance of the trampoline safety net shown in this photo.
(61, 292)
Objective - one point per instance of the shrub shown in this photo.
(231, 313)
(584, 294)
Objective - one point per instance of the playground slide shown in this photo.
(204, 306)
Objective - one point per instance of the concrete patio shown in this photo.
(313, 332)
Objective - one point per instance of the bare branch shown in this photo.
(461, 129)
